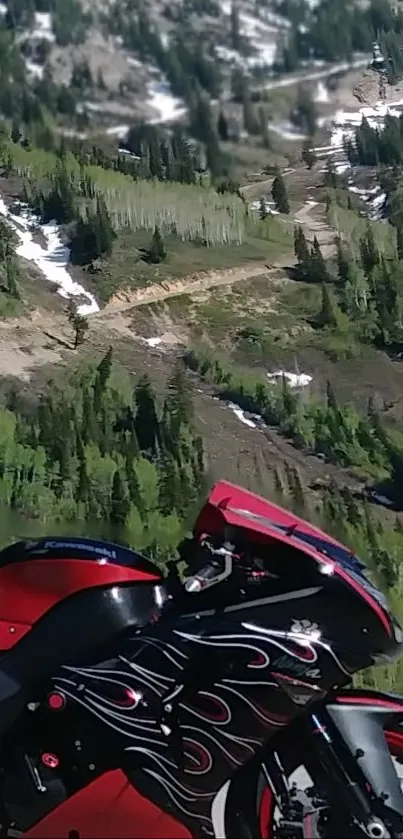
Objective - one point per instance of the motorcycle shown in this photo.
(134, 704)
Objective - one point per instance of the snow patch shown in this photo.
(381, 499)
(262, 34)
(43, 28)
(153, 342)
(321, 94)
(240, 414)
(119, 131)
(161, 99)
(255, 207)
(293, 379)
(52, 261)
(287, 131)
(36, 71)
(343, 128)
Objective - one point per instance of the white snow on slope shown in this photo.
(287, 131)
(343, 128)
(153, 342)
(321, 94)
(51, 260)
(262, 34)
(240, 414)
(293, 379)
(161, 99)
(255, 207)
(43, 27)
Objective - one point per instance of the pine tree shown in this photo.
(235, 27)
(12, 277)
(15, 132)
(302, 254)
(262, 209)
(399, 242)
(318, 270)
(343, 265)
(222, 127)
(83, 484)
(369, 251)
(279, 195)
(134, 486)
(78, 322)
(330, 179)
(328, 313)
(168, 485)
(308, 155)
(102, 375)
(105, 233)
(157, 251)
(146, 421)
(331, 400)
(120, 503)
(305, 111)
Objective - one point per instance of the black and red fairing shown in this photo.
(37, 575)
(262, 521)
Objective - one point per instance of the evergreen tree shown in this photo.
(304, 113)
(120, 502)
(102, 375)
(302, 254)
(222, 127)
(330, 179)
(235, 27)
(279, 195)
(78, 322)
(146, 422)
(157, 251)
(318, 270)
(331, 400)
(168, 486)
(83, 484)
(134, 487)
(343, 263)
(369, 251)
(262, 209)
(328, 315)
(16, 135)
(399, 242)
(308, 155)
(104, 230)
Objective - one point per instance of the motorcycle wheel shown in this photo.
(267, 813)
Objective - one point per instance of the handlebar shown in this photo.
(214, 572)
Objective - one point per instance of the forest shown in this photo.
(104, 205)
(332, 32)
(100, 450)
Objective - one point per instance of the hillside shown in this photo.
(201, 245)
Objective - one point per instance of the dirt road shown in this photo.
(312, 219)
(189, 285)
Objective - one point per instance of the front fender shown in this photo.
(368, 722)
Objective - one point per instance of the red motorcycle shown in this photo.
(136, 705)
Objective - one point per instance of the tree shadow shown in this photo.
(58, 340)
